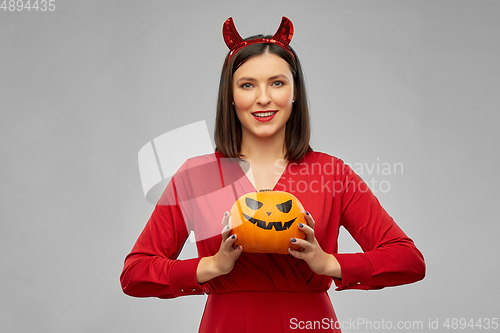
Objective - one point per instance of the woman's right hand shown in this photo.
(223, 261)
(228, 254)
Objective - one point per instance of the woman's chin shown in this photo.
(265, 135)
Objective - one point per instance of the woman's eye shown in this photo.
(246, 85)
(277, 84)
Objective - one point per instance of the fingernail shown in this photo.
(307, 213)
(225, 214)
(300, 225)
(233, 236)
(227, 226)
(293, 240)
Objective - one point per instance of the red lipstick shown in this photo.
(264, 116)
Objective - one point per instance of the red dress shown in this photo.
(268, 292)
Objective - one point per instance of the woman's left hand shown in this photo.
(318, 260)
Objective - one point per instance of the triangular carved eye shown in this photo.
(285, 206)
(253, 204)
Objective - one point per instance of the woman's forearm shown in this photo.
(332, 267)
(207, 269)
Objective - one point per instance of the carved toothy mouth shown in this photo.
(278, 226)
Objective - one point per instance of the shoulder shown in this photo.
(201, 160)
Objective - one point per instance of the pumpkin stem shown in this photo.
(266, 190)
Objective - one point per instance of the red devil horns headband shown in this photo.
(234, 42)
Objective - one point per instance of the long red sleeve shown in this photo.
(390, 258)
(151, 268)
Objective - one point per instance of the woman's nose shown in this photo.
(263, 97)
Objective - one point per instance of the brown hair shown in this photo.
(227, 125)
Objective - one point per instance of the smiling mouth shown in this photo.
(264, 114)
(278, 226)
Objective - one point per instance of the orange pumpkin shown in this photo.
(265, 221)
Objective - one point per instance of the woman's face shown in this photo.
(263, 93)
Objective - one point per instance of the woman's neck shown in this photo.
(263, 150)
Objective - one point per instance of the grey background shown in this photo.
(83, 88)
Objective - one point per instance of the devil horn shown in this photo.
(231, 35)
(284, 33)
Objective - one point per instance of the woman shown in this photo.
(262, 127)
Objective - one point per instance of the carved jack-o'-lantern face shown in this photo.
(265, 221)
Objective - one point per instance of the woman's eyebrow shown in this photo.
(279, 76)
(251, 79)
(246, 78)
